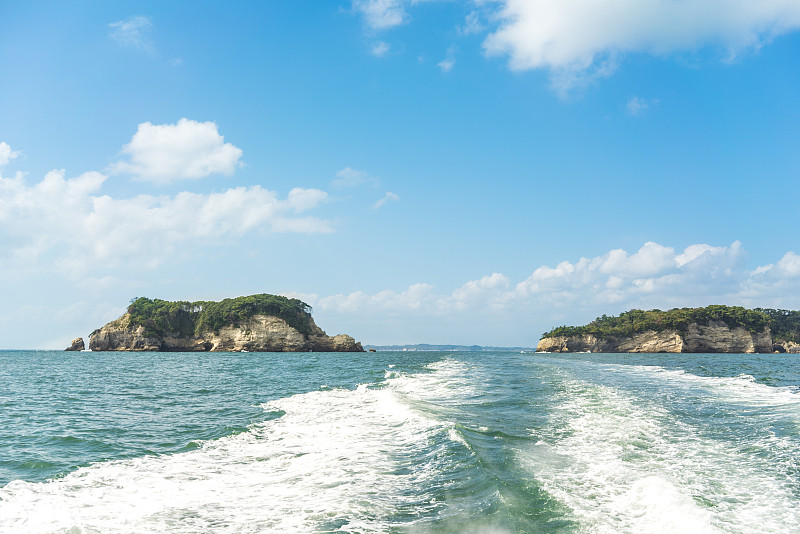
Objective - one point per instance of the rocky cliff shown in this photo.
(711, 329)
(255, 332)
(712, 337)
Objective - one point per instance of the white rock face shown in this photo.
(718, 337)
(711, 337)
(260, 333)
(650, 341)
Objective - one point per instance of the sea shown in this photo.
(398, 442)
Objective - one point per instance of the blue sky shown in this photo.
(416, 170)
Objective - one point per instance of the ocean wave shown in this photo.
(625, 463)
(332, 460)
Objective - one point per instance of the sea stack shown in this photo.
(77, 345)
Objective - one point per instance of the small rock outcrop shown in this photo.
(786, 346)
(77, 345)
(250, 332)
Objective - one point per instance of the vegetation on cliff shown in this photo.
(784, 324)
(187, 319)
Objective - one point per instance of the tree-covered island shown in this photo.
(263, 322)
(713, 328)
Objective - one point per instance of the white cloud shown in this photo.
(300, 199)
(6, 154)
(487, 291)
(654, 276)
(446, 64)
(70, 221)
(380, 49)
(381, 14)
(787, 267)
(649, 260)
(133, 32)
(350, 177)
(162, 153)
(653, 272)
(386, 198)
(493, 309)
(638, 105)
(581, 41)
(416, 297)
(449, 61)
(472, 24)
(576, 36)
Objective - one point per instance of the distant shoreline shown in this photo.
(425, 347)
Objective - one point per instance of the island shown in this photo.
(715, 328)
(255, 323)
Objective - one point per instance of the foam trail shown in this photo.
(623, 463)
(337, 459)
(742, 389)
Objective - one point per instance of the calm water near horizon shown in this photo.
(396, 442)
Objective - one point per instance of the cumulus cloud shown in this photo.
(133, 32)
(576, 36)
(72, 222)
(655, 276)
(161, 153)
(789, 265)
(579, 41)
(386, 198)
(491, 291)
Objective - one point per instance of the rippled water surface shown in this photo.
(398, 442)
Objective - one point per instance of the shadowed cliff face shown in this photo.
(712, 337)
(260, 333)
(76, 345)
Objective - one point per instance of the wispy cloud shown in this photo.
(6, 154)
(472, 24)
(381, 14)
(380, 49)
(386, 198)
(162, 153)
(449, 61)
(133, 32)
(638, 105)
(350, 177)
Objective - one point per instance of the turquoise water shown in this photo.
(398, 442)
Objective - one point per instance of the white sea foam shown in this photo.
(742, 388)
(450, 383)
(346, 460)
(627, 464)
